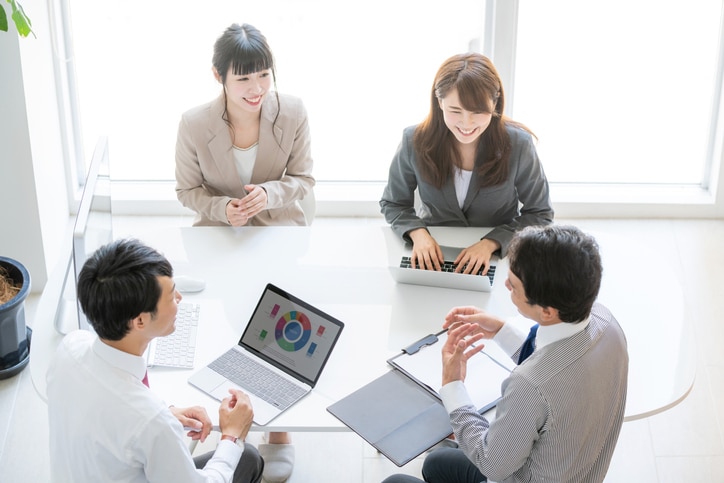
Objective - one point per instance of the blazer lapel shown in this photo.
(448, 192)
(473, 189)
(220, 142)
(269, 154)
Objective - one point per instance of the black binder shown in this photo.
(400, 413)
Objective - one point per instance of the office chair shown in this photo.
(309, 206)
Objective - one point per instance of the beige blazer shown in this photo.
(206, 174)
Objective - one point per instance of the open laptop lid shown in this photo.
(291, 334)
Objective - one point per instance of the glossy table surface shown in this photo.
(344, 271)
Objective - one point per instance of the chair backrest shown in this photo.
(309, 206)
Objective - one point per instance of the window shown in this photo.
(619, 91)
(364, 71)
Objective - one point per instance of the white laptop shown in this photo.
(279, 357)
(447, 278)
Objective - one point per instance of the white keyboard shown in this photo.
(257, 378)
(177, 349)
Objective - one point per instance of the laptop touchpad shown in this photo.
(223, 390)
(206, 379)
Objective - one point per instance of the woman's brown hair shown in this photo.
(479, 87)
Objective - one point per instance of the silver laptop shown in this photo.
(279, 357)
(447, 278)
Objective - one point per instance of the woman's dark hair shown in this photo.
(118, 283)
(559, 267)
(244, 50)
(479, 87)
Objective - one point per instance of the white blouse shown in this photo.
(462, 183)
(245, 159)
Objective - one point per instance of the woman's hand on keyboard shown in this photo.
(426, 253)
(476, 257)
(236, 414)
(195, 418)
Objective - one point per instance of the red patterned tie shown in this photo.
(145, 379)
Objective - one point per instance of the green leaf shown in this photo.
(21, 23)
(22, 10)
(3, 20)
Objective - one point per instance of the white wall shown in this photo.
(33, 201)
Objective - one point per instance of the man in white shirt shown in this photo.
(563, 405)
(105, 422)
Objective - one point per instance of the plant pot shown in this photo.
(14, 335)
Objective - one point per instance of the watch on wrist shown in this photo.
(229, 438)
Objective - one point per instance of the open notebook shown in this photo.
(401, 414)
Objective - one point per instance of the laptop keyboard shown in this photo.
(448, 266)
(258, 379)
(178, 349)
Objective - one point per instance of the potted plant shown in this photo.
(14, 278)
(14, 334)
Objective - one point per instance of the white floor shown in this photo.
(682, 444)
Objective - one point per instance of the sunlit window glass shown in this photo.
(364, 71)
(618, 91)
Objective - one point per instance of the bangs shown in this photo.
(473, 94)
(247, 60)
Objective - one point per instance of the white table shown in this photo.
(343, 271)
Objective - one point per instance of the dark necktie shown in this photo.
(145, 379)
(528, 345)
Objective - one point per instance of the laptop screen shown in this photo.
(291, 334)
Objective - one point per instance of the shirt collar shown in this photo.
(134, 365)
(547, 334)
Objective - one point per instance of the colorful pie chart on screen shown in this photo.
(293, 331)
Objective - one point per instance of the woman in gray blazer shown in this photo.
(471, 166)
(245, 157)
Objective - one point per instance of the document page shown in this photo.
(485, 373)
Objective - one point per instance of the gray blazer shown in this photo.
(206, 174)
(492, 206)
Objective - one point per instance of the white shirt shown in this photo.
(462, 184)
(105, 425)
(245, 159)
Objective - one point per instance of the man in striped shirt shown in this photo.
(562, 407)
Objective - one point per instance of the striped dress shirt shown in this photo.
(561, 410)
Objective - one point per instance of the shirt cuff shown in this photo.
(228, 450)
(454, 396)
(509, 338)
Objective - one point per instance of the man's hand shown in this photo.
(194, 417)
(486, 324)
(457, 350)
(236, 414)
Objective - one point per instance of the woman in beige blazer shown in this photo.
(245, 157)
